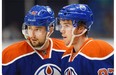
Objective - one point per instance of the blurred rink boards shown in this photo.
(7, 43)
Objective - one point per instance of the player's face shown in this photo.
(66, 30)
(37, 35)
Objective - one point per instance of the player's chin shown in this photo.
(34, 44)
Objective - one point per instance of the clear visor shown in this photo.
(66, 26)
(58, 26)
(29, 31)
(24, 30)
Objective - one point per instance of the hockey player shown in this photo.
(38, 54)
(85, 56)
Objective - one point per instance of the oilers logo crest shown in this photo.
(82, 7)
(48, 69)
(70, 71)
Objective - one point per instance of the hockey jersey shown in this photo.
(21, 59)
(95, 57)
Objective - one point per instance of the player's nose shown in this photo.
(32, 34)
(62, 30)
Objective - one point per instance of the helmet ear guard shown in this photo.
(52, 24)
(51, 29)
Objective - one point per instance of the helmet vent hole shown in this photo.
(42, 12)
(65, 13)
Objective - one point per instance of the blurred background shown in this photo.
(13, 12)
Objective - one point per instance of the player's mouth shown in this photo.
(34, 39)
(64, 37)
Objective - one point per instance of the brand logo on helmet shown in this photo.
(34, 12)
(49, 10)
(82, 7)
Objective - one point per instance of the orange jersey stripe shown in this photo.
(59, 45)
(97, 48)
(93, 48)
(15, 50)
(23, 48)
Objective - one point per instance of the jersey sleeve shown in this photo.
(8, 66)
(9, 69)
(99, 58)
(11, 55)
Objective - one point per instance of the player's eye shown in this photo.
(38, 29)
(29, 27)
(67, 25)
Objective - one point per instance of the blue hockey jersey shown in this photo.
(95, 57)
(21, 59)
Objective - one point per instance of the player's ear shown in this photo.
(79, 29)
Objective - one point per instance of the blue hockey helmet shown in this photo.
(76, 13)
(39, 16)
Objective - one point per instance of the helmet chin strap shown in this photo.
(73, 36)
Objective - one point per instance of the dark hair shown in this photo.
(82, 23)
